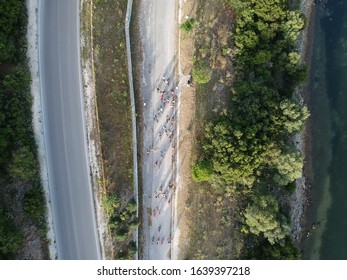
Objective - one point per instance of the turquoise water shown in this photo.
(328, 86)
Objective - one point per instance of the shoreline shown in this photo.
(300, 200)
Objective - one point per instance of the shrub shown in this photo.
(110, 203)
(290, 187)
(122, 235)
(132, 206)
(114, 222)
(188, 25)
(24, 165)
(132, 248)
(201, 73)
(202, 171)
(34, 204)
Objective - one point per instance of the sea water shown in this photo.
(328, 106)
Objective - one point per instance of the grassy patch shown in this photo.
(114, 116)
(112, 91)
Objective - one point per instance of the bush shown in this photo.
(122, 235)
(188, 25)
(114, 222)
(24, 165)
(110, 203)
(132, 206)
(202, 171)
(201, 73)
(34, 204)
(290, 187)
(132, 248)
(134, 224)
(11, 239)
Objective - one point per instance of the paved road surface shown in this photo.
(158, 26)
(65, 135)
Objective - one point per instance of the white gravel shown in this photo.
(33, 56)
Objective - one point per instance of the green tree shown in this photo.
(293, 115)
(264, 250)
(293, 24)
(262, 216)
(288, 165)
(202, 171)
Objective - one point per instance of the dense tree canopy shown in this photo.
(262, 216)
(263, 250)
(252, 139)
(11, 22)
(15, 115)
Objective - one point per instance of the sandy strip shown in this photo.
(33, 56)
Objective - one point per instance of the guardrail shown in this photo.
(133, 111)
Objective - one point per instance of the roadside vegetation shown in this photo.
(22, 203)
(114, 115)
(247, 149)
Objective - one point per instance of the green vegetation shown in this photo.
(103, 28)
(10, 236)
(250, 146)
(201, 73)
(188, 25)
(122, 221)
(35, 207)
(262, 216)
(19, 168)
(12, 29)
(24, 165)
(202, 171)
(263, 250)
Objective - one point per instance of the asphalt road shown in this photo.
(64, 128)
(158, 27)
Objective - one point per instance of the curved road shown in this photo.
(65, 135)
